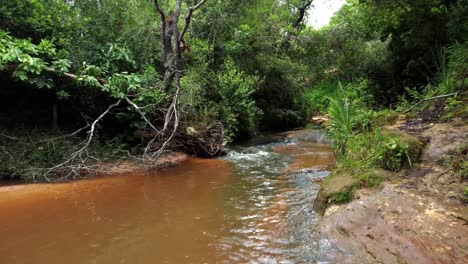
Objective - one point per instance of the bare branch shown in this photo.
(188, 18)
(428, 99)
(160, 11)
(67, 135)
(138, 109)
(87, 141)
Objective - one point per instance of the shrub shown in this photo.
(340, 129)
(238, 111)
(346, 121)
(385, 117)
(318, 97)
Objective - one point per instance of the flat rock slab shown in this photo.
(397, 226)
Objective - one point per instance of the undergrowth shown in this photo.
(365, 149)
(29, 155)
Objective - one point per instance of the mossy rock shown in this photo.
(386, 118)
(337, 188)
(410, 145)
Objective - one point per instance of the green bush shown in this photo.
(318, 96)
(346, 120)
(340, 129)
(238, 110)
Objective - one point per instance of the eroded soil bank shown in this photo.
(418, 216)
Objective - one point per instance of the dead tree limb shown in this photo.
(188, 18)
(138, 109)
(9, 137)
(86, 142)
(428, 99)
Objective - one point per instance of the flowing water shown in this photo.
(252, 206)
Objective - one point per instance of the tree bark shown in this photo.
(173, 40)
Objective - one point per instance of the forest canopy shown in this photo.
(199, 74)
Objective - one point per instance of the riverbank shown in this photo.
(418, 215)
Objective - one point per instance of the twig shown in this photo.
(138, 109)
(67, 135)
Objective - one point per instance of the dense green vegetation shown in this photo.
(251, 66)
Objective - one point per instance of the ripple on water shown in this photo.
(275, 220)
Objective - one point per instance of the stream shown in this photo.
(254, 205)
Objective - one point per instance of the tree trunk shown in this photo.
(55, 116)
(301, 11)
(173, 40)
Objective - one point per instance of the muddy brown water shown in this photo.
(252, 206)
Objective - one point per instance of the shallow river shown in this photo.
(252, 206)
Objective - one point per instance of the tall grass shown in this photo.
(341, 113)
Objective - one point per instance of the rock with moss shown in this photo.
(402, 150)
(385, 118)
(337, 188)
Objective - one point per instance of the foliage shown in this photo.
(385, 117)
(347, 120)
(246, 64)
(342, 197)
(340, 130)
(238, 111)
(318, 96)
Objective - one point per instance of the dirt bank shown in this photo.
(418, 216)
(128, 166)
(108, 168)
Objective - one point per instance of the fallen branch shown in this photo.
(9, 137)
(87, 141)
(429, 99)
(138, 109)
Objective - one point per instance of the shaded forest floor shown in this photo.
(419, 215)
